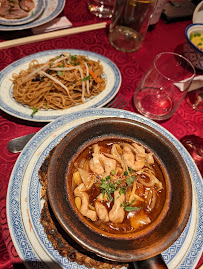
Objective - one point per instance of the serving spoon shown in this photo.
(17, 144)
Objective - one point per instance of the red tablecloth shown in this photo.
(165, 37)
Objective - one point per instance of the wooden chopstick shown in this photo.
(51, 35)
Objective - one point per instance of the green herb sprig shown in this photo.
(86, 78)
(34, 111)
(128, 206)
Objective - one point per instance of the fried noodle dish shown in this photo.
(60, 83)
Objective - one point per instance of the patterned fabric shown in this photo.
(165, 37)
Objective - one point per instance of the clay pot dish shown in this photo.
(136, 246)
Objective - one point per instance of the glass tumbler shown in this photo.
(129, 24)
(102, 9)
(164, 86)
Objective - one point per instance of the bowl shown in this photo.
(140, 245)
(192, 52)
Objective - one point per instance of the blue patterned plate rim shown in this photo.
(42, 19)
(10, 106)
(38, 9)
(194, 251)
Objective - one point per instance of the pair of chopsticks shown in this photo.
(51, 35)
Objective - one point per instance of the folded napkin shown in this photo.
(197, 83)
(56, 24)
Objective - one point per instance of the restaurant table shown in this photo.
(165, 37)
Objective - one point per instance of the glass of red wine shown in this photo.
(195, 99)
(194, 145)
(164, 86)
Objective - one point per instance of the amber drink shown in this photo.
(129, 24)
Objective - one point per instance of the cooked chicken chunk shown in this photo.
(85, 211)
(102, 212)
(100, 164)
(129, 159)
(117, 212)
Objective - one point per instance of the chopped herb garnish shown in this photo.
(86, 78)
(34, 110)
(125, 173)
(130, 170)
(50, 85)
(130, 180)
(128, 206)
(122, 190)
(113, 172)
(60, 73)
(131, 208)
(73, 57)
(108, 187)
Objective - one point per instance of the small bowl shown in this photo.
(192, 52)
(146, 243)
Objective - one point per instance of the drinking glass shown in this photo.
(194, 145)
(195, 99)
(164, 85)
(129, 24)
(102, 9)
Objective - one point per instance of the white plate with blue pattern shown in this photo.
(32, 15)
(24, 203)
(9, 105)
(52, 8)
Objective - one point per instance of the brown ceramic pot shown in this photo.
(137, 246)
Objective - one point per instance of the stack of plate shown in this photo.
(44, 11)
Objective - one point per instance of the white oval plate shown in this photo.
(198, 13)
(51, 10)
(24, 204)
(10, 106)
(32, 15)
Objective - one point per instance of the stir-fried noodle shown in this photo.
(60, 83)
